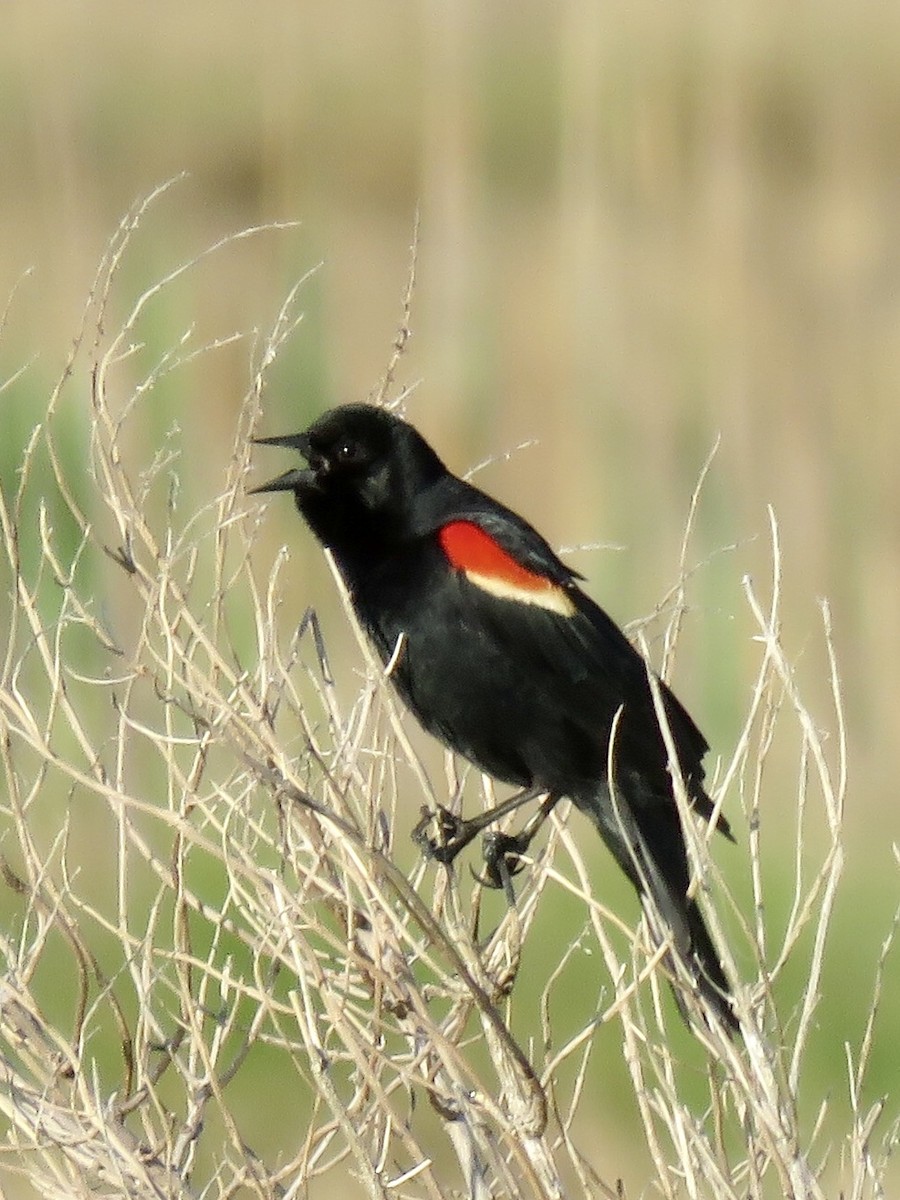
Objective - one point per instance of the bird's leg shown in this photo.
(454, 833)
(503, 851)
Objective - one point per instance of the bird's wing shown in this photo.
(586, 662)
(452, 501)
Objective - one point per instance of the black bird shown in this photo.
(501, 655)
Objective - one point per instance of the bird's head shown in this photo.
(362, 462)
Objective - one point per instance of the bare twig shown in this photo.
(217, 911)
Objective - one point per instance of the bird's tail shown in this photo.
(695, 950)
(648, 843)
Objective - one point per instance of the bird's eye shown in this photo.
(348, 452)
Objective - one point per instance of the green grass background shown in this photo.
(643, 227)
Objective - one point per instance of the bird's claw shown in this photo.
(503, 852)
(452, 834)
(503, 858)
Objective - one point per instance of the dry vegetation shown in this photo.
(255, 937)
(644, 227)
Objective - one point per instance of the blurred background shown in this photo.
(644, 229)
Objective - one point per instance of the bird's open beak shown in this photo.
(290, 480)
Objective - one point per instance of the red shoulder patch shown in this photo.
(487, 565)
(469, 548)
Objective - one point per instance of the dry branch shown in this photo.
(205, 858)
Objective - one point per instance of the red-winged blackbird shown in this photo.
(502, 657)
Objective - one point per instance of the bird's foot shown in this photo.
(453, 834)
(503, 858)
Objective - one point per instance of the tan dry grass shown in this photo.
(257, 906)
